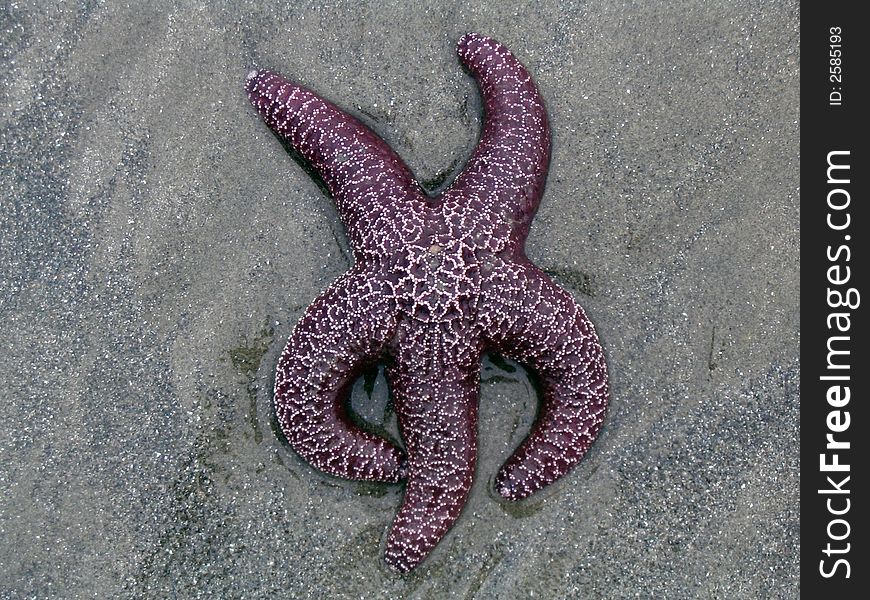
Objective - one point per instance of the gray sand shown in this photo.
(158, 245)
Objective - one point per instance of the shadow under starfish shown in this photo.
(436, 281)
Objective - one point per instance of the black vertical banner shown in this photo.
(834, 367)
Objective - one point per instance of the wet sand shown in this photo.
(158, 245)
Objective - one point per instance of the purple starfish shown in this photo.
(436, 282)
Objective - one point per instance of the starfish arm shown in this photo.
(363, 174)
(436, 398)
(543, 328)
(509, 166)
(342, 331)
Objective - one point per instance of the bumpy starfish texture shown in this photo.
(436, 281)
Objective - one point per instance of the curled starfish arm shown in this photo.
(363, 174)
(509, 166)
(551, 334)
(436, 404)
(344, 330)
